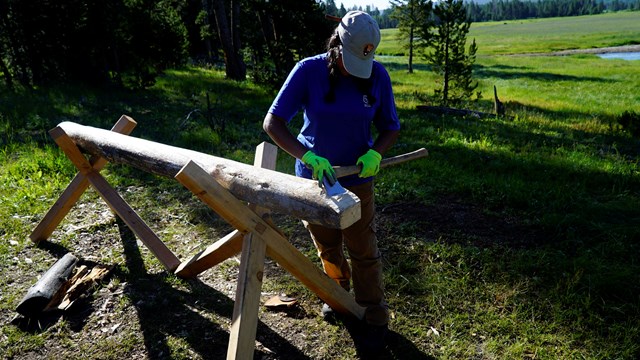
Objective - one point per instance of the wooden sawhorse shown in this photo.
(255, 236)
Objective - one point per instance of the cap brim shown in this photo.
(357, 66)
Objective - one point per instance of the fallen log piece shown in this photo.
(83, 280)
(279, 192)
(441, 110)
(47, 287)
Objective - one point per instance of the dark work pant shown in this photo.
(362, 246)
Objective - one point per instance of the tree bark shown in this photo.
(234, 65)
(269, 35)
(282, 193)
(235, 26)
(207, 41)
(8, 80)
(411, 50)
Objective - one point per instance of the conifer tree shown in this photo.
(411, 15)
(447, 58)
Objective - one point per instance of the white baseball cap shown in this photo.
(360, 36)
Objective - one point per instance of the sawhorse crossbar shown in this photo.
(255, 236)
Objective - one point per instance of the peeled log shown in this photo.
(282, 193)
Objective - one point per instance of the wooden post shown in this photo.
(265, 157)
(244, 322)
(214, 254)
(76, 188)
(115, 202)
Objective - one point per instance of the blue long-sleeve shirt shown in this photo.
(340, 130)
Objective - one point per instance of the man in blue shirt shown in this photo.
(342, 93)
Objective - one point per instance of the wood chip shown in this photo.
(83, 280)
(281, 300)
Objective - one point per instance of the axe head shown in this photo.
(332, 190)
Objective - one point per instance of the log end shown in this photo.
(348, 206)
(33, 305)
(311, 203)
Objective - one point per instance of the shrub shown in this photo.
(630, 121)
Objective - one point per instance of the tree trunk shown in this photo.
(447, 70)
(235, 26)
(5, 70)
(234, 66)
(207, 41)
(269, 35)
(411, 50)
(282, 193)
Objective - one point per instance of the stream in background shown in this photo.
(621, 55)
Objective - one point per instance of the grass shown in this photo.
(524, 244)
(541, 35)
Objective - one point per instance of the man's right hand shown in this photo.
(320, 167)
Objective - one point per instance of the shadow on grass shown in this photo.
(396, 66)
(548, 135)
(161, 111)
(558, 172)
(490, 251)
(515, 72)
(561, 202)
(396, 346)
(165, 312)
(174, 316)
(496, 71)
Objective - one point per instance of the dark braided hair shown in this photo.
(364, 85)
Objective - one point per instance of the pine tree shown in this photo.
(411, 15)
(448, 58)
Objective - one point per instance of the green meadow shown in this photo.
(517, 238)
(541, 35)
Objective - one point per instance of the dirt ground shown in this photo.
(139, 309)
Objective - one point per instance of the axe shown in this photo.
(341, 171)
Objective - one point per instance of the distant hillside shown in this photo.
(500, 10)
(606, 2)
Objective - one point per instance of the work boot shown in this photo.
(327, 312)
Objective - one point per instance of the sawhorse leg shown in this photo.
(75, 189)
(240, 216)
(244, 322)
(115, 201)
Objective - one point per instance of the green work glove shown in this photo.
(370, 162)
(320, 167)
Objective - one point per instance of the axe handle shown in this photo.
(355, 169)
